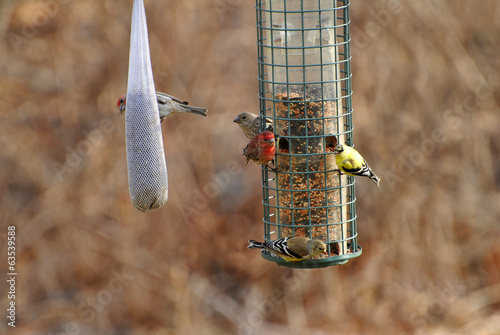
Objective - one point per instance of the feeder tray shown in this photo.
(305, 90)
(314, 263)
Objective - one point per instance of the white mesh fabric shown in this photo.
(147, 169)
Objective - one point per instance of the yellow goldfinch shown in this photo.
(352, 163)
(292, 249)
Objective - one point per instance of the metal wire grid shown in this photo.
(305, 89)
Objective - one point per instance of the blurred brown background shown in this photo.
(426, 92)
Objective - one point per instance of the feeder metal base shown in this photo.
(313, 263)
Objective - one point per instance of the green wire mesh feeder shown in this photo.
(305, 90)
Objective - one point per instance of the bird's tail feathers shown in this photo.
(368, 172)
(255, 245)
(195, 110)
(375, 179)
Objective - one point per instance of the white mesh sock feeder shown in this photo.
(147, 169)
(305, 90)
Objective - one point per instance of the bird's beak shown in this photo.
(122, 108)
(273, 141)
(237, 120)
(325, 252)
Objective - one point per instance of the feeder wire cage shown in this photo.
(304, 74)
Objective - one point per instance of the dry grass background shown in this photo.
(426, 93)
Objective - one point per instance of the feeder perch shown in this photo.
(305, 90)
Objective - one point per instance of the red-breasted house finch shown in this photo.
(292, 249)
(261, 148)
(167, 105)
(250, 124)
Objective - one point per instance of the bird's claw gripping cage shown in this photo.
(305, 90)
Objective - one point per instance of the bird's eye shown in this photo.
(244, 117)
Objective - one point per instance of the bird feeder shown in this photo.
(305, 90)
(147, 168)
